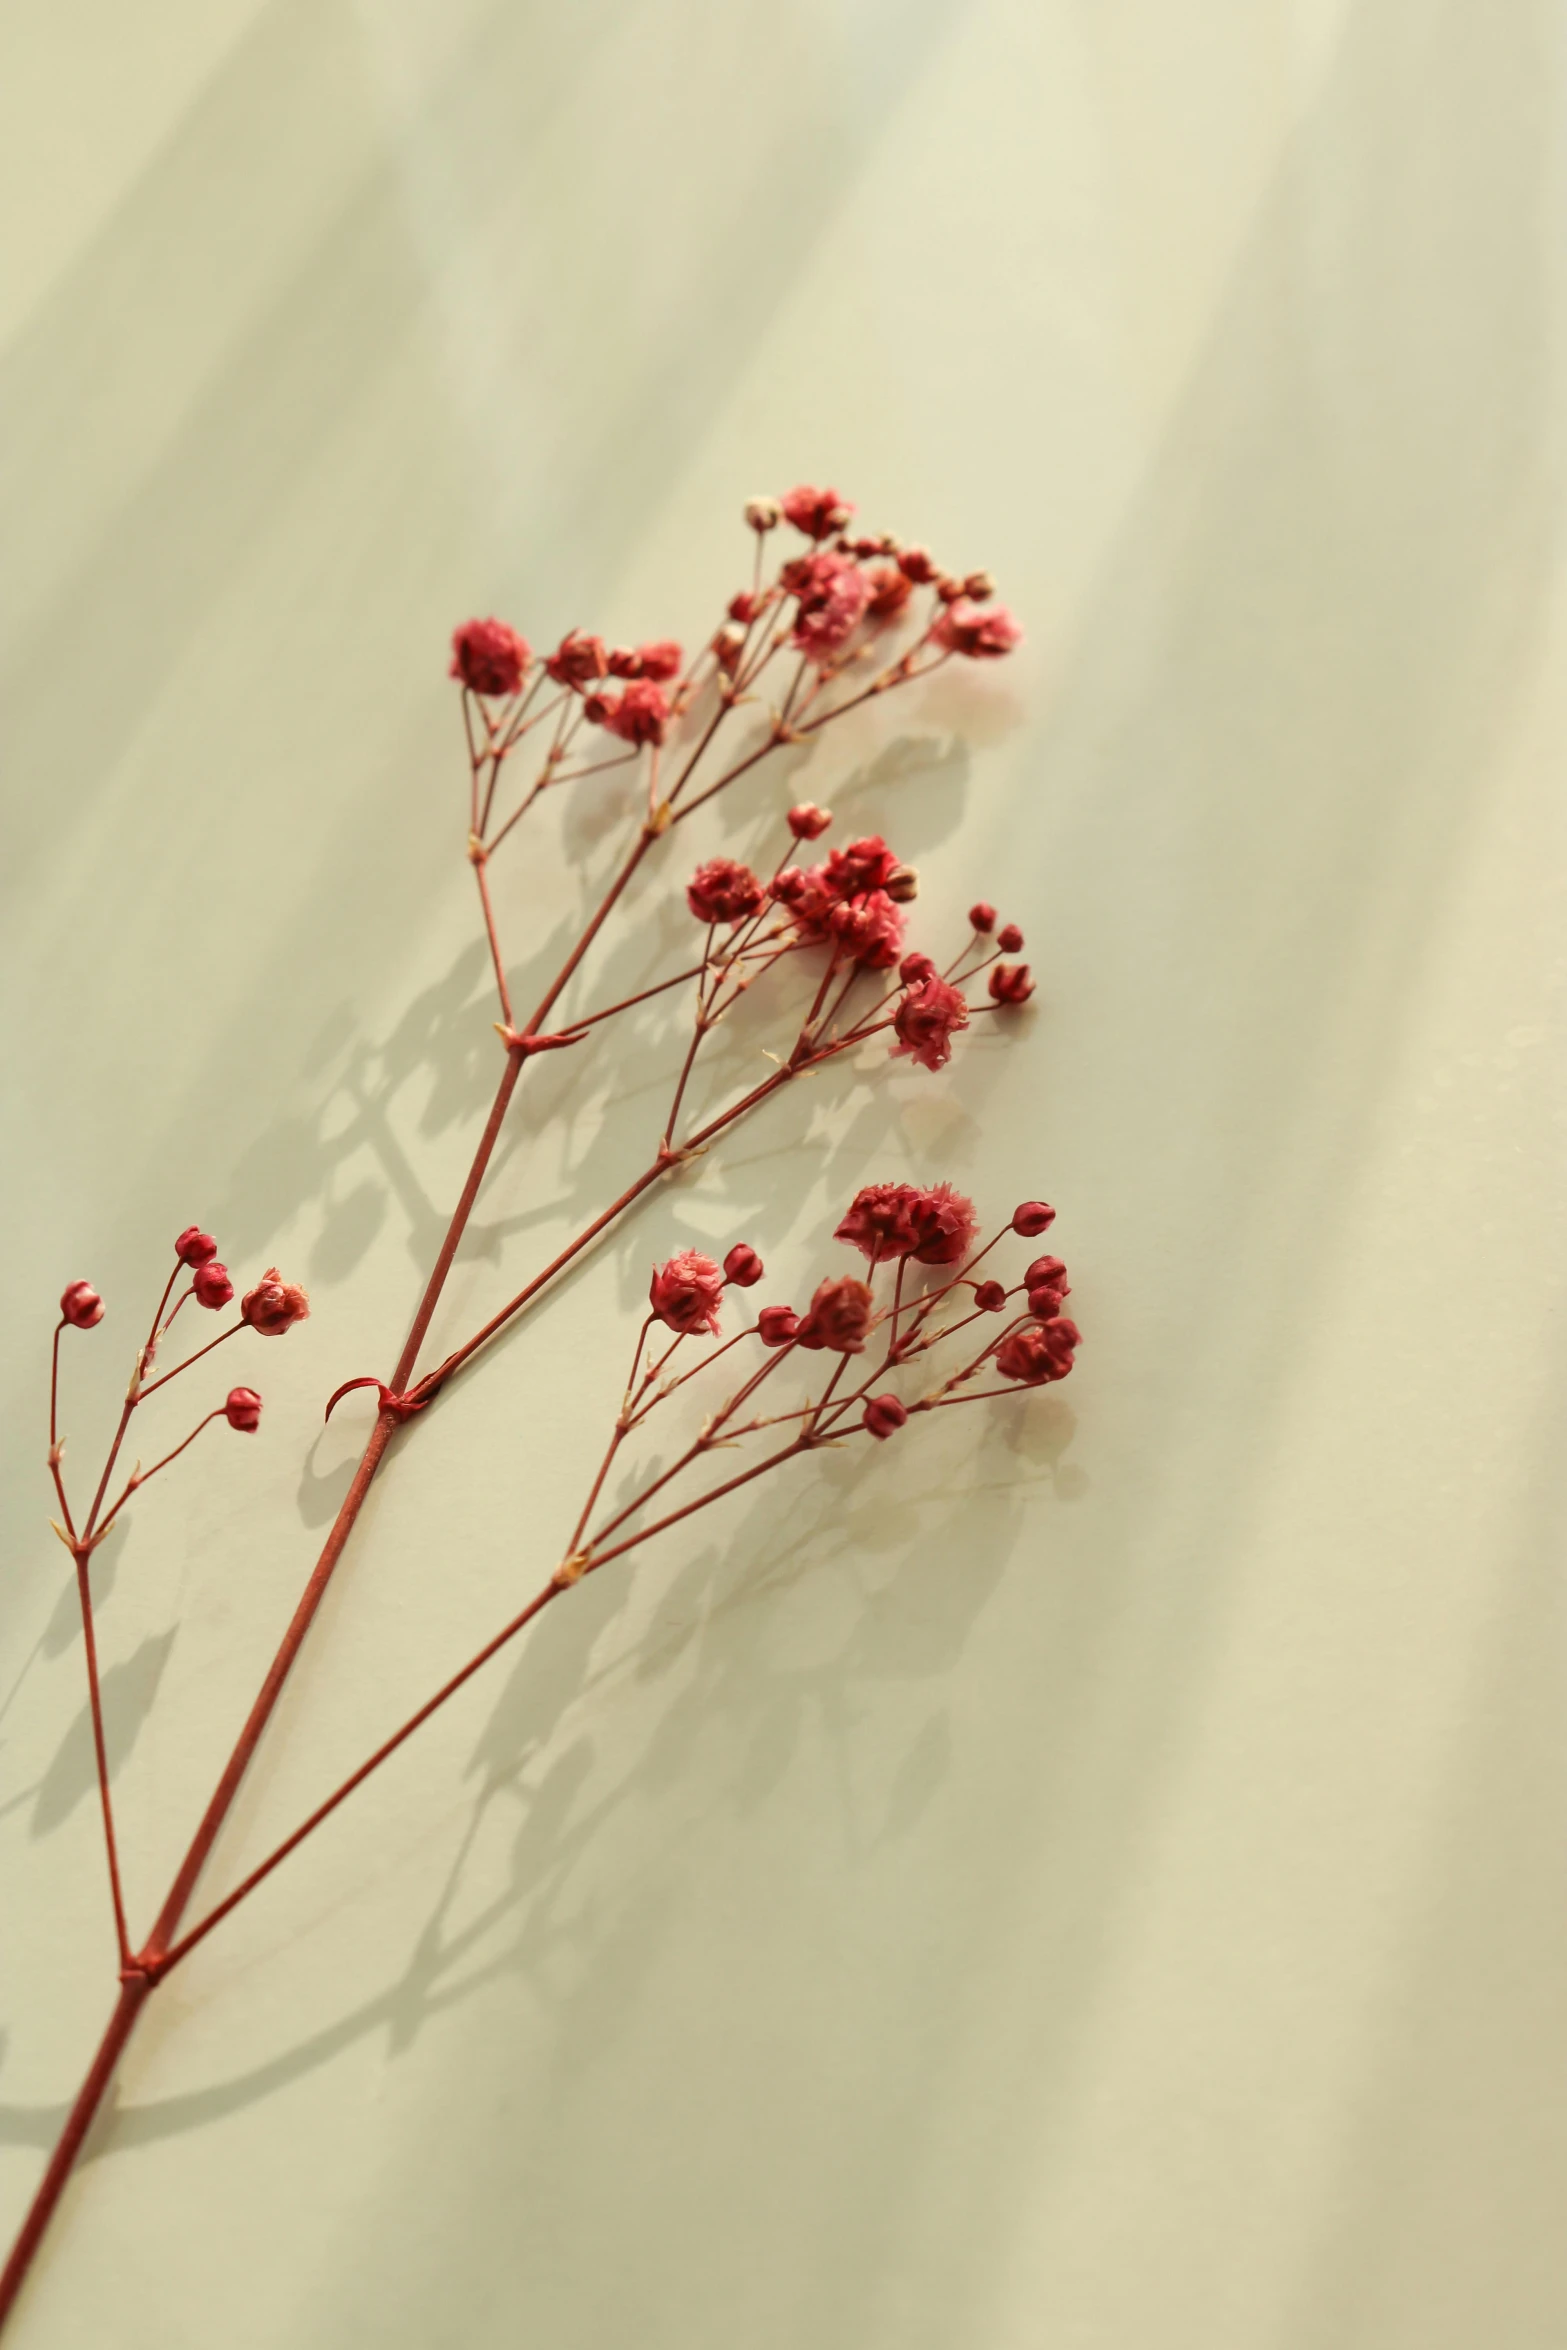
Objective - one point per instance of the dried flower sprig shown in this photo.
(831, 627)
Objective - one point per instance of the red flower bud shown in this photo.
(816, 512)
(979, 587)
(211, 1285)
(990, 1297)
(685, 1292)
(884, 1414)
(195, 1247)
(807, 821)
(743, 1266)
(776, 1325)
(242, 1410)
(723, 891)
(274, 1305)
(918, 564)
(1032, 1218)
(1039, 1352)
(982, 917)
(80, 1305)
(578, 659)
(1045, 1304)
(624, 661)
(661, 660)
(1044, 1272)
(744, 607)
(763, 513)
(914, 969)
(1011, 983)
(903, 884)
(1010, 939)
(950, 591)
(489, 657)
(840, 1316)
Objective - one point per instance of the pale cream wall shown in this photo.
(1103, 1891)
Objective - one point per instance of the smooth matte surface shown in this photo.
(1103, 1887)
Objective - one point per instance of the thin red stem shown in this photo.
(100, 1750)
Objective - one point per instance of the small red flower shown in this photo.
(1047, 1285)
(879, 1222)
(1032, 1218)
(890, 592)
(807, 821)
(640, 715)
(624, 661)
(661, 660)
(990, 1297)
(926, 1020)
(1011, 983)
(979, 633)
(915, 968)
(80, 1305)
(945, 1224)
(578, 659)
(859, 865)
(868, 928)
(743, 1266)
(489, 657)
(685, 1292)
(723, 890)
(776, 1325)
(195, 1247)
(744, 607)
(884, 1415)
(1010, 939)
(211, 1285)
(242, 1410)
(1039, 1352)
(832, 594)
(816, 512)
(982, 917)
(840, 1316)
(274, 1305)
(917, 564)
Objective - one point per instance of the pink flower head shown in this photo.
(926, 1020)
(212, 1287)
(890, 592)
(1039, 1352)
(776, 1325)
(274, 1305)
(743, 1266)
(917, 564)
(723, 890)
(868, 928)
(884, 1416)
(1009, 939)
(640, 715)
(816, 512)
(195, 1247)
(840, 1316)
(1011, 983)
(982, 917)
(80, 1305)
(242, 1410)
(980, 632)
(859, 864)
(685, 1292)
(990, 1296)
(945, 1223)
(489, 657)
(1032, 1218)
(807, 821)
(806, 897)
(880, 1222)
(578, 659)
(832, 593)
(661, 660)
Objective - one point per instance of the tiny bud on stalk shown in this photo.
(211, 1286)
(81, 1305)
(195, 1247)
(1032, 1218)
(884, 1415)
(242, 1410)
(743, 1266)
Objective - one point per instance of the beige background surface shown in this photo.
(1105, 1889)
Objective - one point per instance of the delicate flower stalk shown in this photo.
(834, 627)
